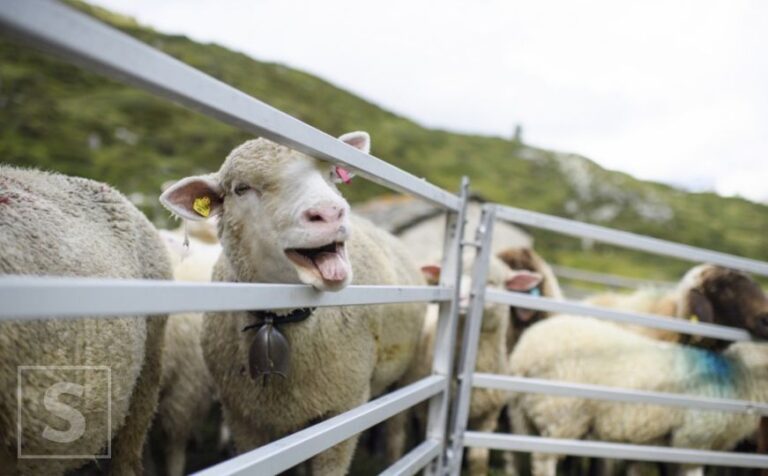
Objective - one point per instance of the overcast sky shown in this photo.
(674, 91)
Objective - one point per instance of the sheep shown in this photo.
(194, 260)
(486, 404)
(540, 281)
(186, 391)
(699, 293)
(515, 269)
(586, 350)
(52, 224)
(419, 232)
(707, 293)
(535, 277)
(282, 219)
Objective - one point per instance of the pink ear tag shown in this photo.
(343, 174)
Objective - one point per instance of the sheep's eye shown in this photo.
(241, 189)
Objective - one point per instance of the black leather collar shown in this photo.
(264, 317)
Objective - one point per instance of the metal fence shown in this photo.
(461, 438)
(608, 280)
(91, 44)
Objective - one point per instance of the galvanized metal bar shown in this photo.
(25, 298)
(611, 280)
(576, 292)
(648, 320)
(626, 239)
(416, 459)
(448, 319)
(594, 449)
(600, 392)
(287, 452)
(94, 45)
(470, 339)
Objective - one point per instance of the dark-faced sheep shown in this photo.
(282, 220)
(56, 225)
(533, 276)
(707, 293)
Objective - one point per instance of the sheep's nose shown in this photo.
(329, 215)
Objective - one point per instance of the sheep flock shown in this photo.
(185, 391)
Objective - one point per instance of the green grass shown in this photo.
(57, 116)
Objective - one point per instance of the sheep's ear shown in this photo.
(431, 273)
(700, 308)
(523, 281)
(194, 198)
(359, 140)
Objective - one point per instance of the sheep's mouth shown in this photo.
(329, 261)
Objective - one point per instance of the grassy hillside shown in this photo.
(57, 116)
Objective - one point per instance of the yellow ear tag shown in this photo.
(202, 206)
(694, 318)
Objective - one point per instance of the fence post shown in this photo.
(472, 323)
(445, 338)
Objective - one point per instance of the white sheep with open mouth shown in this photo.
(283, 220)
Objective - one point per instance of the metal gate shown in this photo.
(459, 435)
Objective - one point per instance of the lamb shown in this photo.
(707, 293)
(586, 350)
(57, 225)
(283, 220)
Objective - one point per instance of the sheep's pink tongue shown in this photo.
(331, 266)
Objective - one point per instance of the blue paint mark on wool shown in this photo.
(717, 365)
(710, 367)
